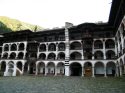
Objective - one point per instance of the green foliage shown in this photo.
(7, 25)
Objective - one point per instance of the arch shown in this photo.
(42, 47)
(11, 64)
(99, 69)
(50, 68)
(13, 55)
(19, 65)
(98, 55)
(76, 69)
(3, 67)
(109, 43)
(110, 54)
(61, 46)
(98, 44)
(32, 68)
(6, 47)
(88, 69)
(110, 69)
(52, 56)
(75, 46)
(52, 47)
(60, 68)
(61, 56)
(21, 46)
(13, 47)
(20, 55)
(41, 68)
(75, 56)
(42, 56)
(5, 56)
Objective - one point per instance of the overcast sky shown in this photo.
(54, 13)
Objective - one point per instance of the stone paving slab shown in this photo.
(35, 84)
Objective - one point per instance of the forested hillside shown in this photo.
(8, 25)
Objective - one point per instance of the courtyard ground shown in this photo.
(38, 84)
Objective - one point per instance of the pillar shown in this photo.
(93, 71)
(45, 70)
(14, 70)
(55, 70)
(67, 71)
(105, 74)
(22, 69)
(104, 51)
(6, 71)
(36, 70)
(83, 71)
(120, 67)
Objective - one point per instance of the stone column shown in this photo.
(9, 47)
(17, 47)
(67, 72)
(104, 49)
(14, 70)
(120, 67)
(46, 47)
(28, 70)
(93, 51)
(45, 70)
(36, 70)
(93, 71)
(105, 74)
(22, 69)
(67, 26)
(83, 71)
(55, 70)
(6, 71)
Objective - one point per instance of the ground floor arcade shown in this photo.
(54, 68)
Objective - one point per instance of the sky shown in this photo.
(54, 13)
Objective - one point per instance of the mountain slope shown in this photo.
(8, 25)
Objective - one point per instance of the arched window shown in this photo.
(98, 44)
(75, 46)
(42, 47)
(5, 56)
(75, 56)
(21, 46)
(98, 55)
(52, 56)
(110, 54)
(42, 56)
(61, 46)
(52, 47)
(13, 55)
(6, 47)
(13, 47)
(61, 56)
(20, 55)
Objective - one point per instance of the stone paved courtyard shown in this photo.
(33, 84)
